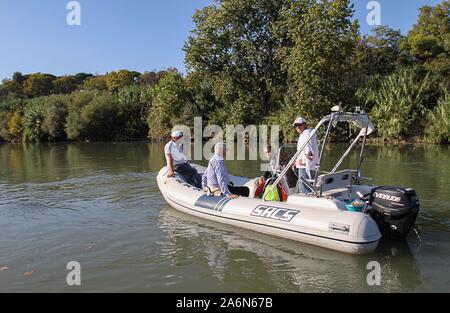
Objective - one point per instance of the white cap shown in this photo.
(177, 134)
(299, 120)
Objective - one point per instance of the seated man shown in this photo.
(177, 161)
(217, 179)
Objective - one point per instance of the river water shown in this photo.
(99, 204)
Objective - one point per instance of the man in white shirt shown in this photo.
(177, 161)
(308, 160)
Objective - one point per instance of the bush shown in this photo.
(133, 111)
(100, 117)
(11, 104)
(74, 125)
(15, 127)
(438, 122)
(93, 116)
(55, 115)
(4, 119)
(33, 120)
(401, 102)
(168, 100)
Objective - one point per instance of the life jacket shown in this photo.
(260, 189)
(276, 194)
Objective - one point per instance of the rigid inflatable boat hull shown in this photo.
(338, 229)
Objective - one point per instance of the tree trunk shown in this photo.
(265, 98)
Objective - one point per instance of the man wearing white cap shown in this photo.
(177, 161)
(308, 160)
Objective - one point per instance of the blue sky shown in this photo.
(116, 34)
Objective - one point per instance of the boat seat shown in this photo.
(336, 185)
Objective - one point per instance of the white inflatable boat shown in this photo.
(325, 218)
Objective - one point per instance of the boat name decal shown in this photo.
(279, 214)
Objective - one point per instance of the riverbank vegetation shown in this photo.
(251, 62)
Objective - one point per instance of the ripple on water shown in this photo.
(102, 209)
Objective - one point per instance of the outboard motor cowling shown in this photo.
(394, 209)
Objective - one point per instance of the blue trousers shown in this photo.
(190, 174)
(303, 188)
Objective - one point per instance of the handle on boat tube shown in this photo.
(292, 161)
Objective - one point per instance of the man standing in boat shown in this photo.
(217, 179)
(308, 160)
(177, 160)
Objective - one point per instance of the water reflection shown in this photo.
(270, 263)
(87, 191)
(45, 162)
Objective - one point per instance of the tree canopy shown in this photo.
(251, 62)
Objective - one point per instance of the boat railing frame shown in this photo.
(331, 119)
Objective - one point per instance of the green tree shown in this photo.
(122, 78)
(169, 98)
(429, 40)
(82, 77)
(12, 88)
(201, 94)
(5, 117)
(18, 77)
(234, 45)
(151, 78)
(15, 127)
(96, 83)
(38, 84)
(380, 52)
(320, 61)
(55, 115)
(65, 85)
(133, 111)
(100, 119)
(74, 127)
(93, 116)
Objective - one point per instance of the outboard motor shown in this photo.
(394, 209)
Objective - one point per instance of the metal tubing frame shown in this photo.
(330, 125)
(292, 161)
(344, 156)
(361, 155)
(330, 118)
